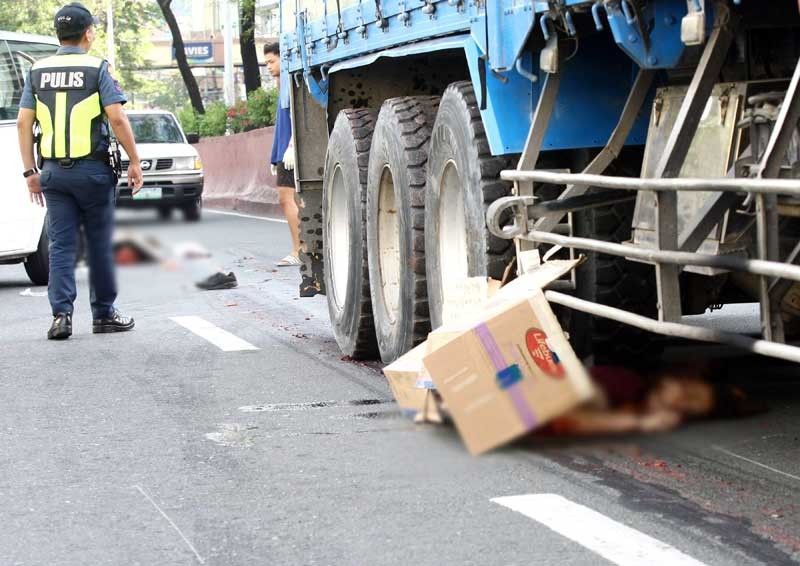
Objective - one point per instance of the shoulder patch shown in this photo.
(117, 87)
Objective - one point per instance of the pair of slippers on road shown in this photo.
(220, 280)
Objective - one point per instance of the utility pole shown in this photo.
(228, 86)
(110, 43)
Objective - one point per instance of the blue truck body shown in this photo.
(492, 35)
(581, 94)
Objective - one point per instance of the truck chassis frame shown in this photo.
(673, 250)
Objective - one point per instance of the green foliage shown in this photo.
(215, 121)
(257, 112)
(189, 119)
(239, 120)
(164, 93)
(246, 6)
(29, 16)
(133, 21)
(262, 107)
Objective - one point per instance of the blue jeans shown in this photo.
(81, 195)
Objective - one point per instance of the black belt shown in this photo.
(69, 163)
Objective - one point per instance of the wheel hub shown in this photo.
(389, 245)
(339, 236)
(453, 251)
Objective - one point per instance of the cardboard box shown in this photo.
(510, 372)
(532, 281)
(403, 375)
(467, 297)
(409, 380)
(412, 386)
(444, 334)
(407, 376)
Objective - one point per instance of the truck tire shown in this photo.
(344, 198)
(463, 179)
(615, 282)
(396, 223)
(37, 265)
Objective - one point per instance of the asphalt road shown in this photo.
(157, 447)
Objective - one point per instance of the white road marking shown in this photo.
(613, 541)
(171, 522)
(31, 293)
(755, 463)
(241, 215)
(222, 339)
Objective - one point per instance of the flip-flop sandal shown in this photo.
(289, 261)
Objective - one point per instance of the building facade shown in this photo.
(202, 28)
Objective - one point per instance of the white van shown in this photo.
(23, 232)
(172, 170)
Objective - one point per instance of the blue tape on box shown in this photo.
(509, 376)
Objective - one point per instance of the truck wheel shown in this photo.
(37, 265)
(344, 196)
(164, 212)
(396, 223)
(193, 211)
(616, 282)
(463, 179)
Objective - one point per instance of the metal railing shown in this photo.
(523, 226)
(533, 221)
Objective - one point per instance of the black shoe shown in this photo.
(115, 323)
(61, 329)
(309, 287)
(218, 281)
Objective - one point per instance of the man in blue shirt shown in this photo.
(72, 98)
(282, 160)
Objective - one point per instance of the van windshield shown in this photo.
(155, 128)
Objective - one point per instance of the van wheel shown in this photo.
(344, 196)
(192, 212)
(164, 212)
(463, 179)
(37, 265)
(396, 223)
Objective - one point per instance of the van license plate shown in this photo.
(148, 193)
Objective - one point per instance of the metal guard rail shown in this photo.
(699, 333)
(737, 185)
(763, 268)
(731, 263)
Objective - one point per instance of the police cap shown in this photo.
(73, 19)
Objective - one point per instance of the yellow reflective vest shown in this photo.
(68, 108)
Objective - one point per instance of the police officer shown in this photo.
(72, 98)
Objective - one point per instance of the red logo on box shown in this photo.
(540, 351)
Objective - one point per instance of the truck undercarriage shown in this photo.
(676, 175)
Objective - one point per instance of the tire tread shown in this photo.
(499, 252)
(412, 118)
(362, 124)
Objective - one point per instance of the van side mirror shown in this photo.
(192, 138)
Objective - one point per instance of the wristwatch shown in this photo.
(30, 172)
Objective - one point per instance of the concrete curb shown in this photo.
(243, 205)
